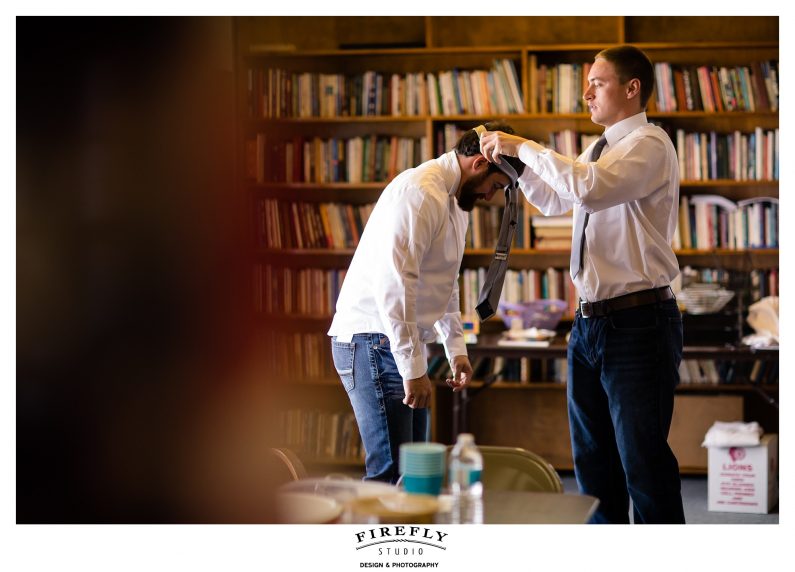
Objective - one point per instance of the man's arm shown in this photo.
(542, 196)
(614, 179)
(412, 231)
(452, 333)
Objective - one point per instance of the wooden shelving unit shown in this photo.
(265, 43)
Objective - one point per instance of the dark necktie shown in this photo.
(489, 297)
(581, 221)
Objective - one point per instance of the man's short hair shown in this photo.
(469, 144)
(630, 63)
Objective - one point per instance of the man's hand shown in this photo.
(462, 373)
(418, 392)
(496, 143)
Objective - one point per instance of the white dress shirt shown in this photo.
(403, 279)
(632, 195)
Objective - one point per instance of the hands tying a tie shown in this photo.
(496, 143)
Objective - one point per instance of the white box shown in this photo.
(744, 479)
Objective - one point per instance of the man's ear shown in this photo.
(479, 163)
(633, 88)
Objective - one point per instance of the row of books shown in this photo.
(713, 88)
(484, 227)
(702, 156)
(559, 88)
(290, 224)
(705, 222)
(321, 434)
(519, 286)
(296, 291)
(297, 356)
(550, 232)
(316, 160)
(532, 230)
(569, 143)
(447, 137)
(278, 93)
(735, 156)
(274, 93)
(519, 370)
(763, 283)
(715, 372)
(713, 221)
(314, 291)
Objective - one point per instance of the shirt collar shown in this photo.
(616, 132)
(451, 171)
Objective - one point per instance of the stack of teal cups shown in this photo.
(422, 467)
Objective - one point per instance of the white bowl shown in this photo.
(704, 298)
(304, 508)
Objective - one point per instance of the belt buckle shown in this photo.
(585, 309)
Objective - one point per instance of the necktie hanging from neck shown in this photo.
(581, 221)
(489, 298)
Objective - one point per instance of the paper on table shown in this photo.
(733, 434)
(523, 343)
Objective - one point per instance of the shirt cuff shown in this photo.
(529, 152)
(455, 347)
(411, 367)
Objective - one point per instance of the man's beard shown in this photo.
(466, 197)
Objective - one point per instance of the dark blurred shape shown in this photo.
(137, 400)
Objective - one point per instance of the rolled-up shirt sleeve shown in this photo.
(396, 294)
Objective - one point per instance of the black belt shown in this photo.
(642, 298)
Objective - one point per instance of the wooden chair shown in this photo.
(516, 469)
(293, 465)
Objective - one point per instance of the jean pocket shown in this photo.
(342, 354)
(635, 320)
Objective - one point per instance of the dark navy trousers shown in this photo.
(623, 369)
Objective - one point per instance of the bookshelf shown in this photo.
(341, 55)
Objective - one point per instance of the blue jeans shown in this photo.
(370, 376)
(623, 369)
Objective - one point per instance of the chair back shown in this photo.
(292, 464)
(516, 469)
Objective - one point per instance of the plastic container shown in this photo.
(466, 467)
(464, 478)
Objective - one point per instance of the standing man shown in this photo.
(626, 341)
(401, 284)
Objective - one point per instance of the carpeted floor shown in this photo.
(694, 498)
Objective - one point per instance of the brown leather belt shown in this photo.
(642, 298)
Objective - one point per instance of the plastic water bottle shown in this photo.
(466, 466)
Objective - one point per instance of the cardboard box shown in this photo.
(744, 479)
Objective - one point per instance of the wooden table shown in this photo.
(522, 507)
